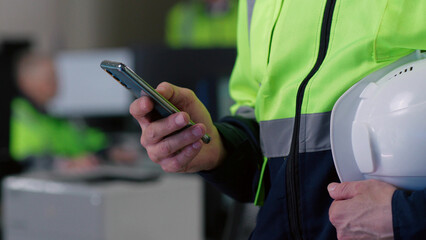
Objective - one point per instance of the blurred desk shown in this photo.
(38, 207)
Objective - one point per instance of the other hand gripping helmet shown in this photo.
(378, 127)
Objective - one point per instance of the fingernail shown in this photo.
(180, 121)
(332, 186)
(197, 132)
(196, 145)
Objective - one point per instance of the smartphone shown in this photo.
(135, 84)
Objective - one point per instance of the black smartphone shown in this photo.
(135, 84)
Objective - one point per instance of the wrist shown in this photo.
(218, 151)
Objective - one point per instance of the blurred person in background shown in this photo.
(202, 24)
(38, 138)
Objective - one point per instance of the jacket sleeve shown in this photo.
(409, 214)
(402, 29)
(243, 86)
(238, 174)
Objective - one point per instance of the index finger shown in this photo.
(140, 109)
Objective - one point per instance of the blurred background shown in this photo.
(70, 160)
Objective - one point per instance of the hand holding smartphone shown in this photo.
(135, 84)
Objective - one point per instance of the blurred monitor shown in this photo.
(206, 71)
(84, 89)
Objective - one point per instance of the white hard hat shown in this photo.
(378, 127)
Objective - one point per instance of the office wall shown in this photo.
(76, 24)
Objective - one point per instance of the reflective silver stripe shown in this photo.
(245, 111)
(275, 135)
(250, 6)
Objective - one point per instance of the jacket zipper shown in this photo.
(292, 169)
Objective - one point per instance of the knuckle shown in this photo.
(348, 187)
(188, 153)
(166, 148)
(333, 219)
(149, 134)
(359, 187)
(165, 168)
(171, 124)
(372, 182)
(185, 156)
(190, 96)
(177, 167)
(153, 157)
(332, 215)
(344, 187)
(143, 141)
(343, 235)
(335, 214)
(172, 166)
(188, 136)
(189, 92)
(133, 110)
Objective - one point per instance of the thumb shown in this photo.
(185, 100)
(342, 191)
(166, 89)
(180, 97)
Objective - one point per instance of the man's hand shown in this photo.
(362, 210)
(174, 150)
